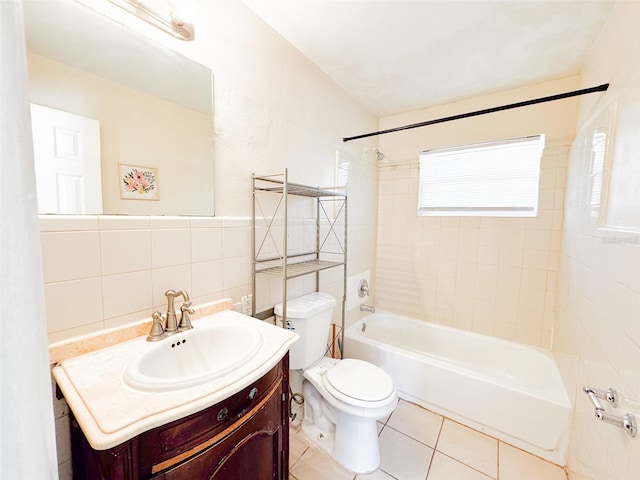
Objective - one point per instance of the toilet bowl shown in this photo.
(343, 399)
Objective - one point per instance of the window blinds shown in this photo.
(498, 179)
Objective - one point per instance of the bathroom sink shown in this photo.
(191, 358)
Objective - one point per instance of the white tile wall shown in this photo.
(73, 304)
(170, 247)
(597, 330)
(490, 275)
(73, 263)
(114, 244)
(104, 271)
(597, 337)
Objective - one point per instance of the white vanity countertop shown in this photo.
(111, 413)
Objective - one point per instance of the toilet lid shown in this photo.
(358, 380)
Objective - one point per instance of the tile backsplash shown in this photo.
(104, 271)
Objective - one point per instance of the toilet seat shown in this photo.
(358, 383)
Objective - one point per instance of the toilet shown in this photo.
(343, 399)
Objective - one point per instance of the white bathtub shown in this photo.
(510, 391)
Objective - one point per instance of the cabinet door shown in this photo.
(253, 451)
(117, 463)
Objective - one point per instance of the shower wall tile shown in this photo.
(596, 337)
(491, 275)
(535, 259)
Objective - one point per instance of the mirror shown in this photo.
(153, 105)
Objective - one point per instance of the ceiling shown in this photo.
(395, 56)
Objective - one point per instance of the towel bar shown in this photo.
(627, 421)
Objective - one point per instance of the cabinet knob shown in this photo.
(223, 413)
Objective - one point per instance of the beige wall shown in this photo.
(135, 129)
(490, 275)
(597, 332)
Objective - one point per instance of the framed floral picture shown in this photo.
(138, 183)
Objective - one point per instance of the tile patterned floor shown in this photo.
(416, 444)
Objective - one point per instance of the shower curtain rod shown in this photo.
(560, 96)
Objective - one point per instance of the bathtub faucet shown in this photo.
(367, 308)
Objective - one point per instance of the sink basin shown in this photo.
(192, 357)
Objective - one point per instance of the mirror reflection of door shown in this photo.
(66, 151)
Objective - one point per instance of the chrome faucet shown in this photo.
(163, 327)
(367, 308)
(363, 288)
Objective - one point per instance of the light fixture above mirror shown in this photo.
(163, 14)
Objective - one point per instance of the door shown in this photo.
(66, 150)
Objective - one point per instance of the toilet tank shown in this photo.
(310, 317)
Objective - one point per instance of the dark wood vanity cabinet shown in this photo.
(245, 437)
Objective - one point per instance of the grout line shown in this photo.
(465, 464)
(387, 473)
(433, 454)
(291, 465)
(410, 437)
(524, 452)
(460, 461)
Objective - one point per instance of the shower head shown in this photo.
(379, 155)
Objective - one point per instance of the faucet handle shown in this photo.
(157, 329)
(185, 311)
(363, 288)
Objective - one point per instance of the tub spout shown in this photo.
(367, 308)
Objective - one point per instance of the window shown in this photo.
(496, 179)
(342, 169)
(598, 147)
